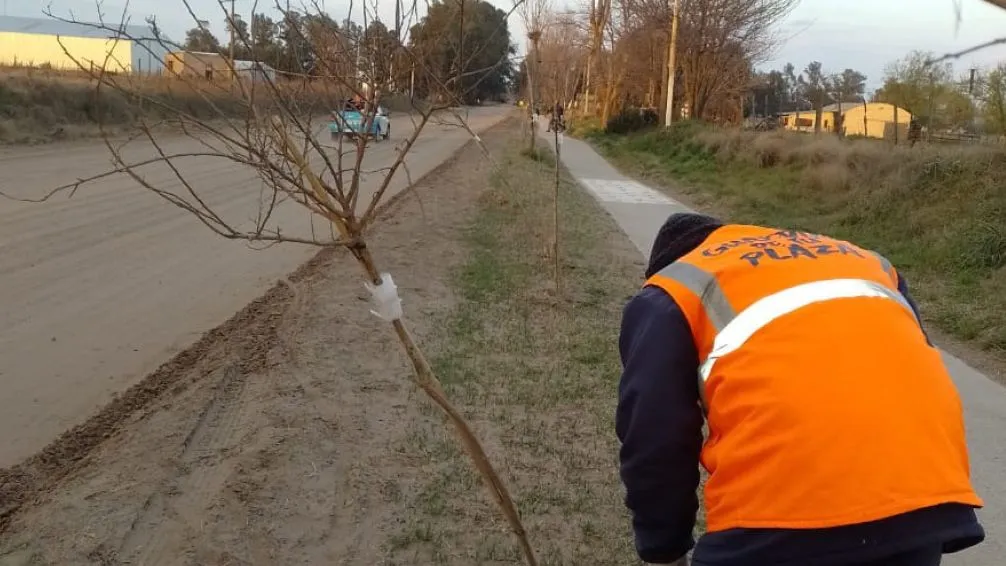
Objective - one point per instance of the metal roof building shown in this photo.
(33, 42)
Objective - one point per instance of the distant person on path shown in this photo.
(557, 123)
(836, 436)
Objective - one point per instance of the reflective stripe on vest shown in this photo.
(705, 286)
(768, 309)
(733, 330)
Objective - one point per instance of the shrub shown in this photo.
(631, 120)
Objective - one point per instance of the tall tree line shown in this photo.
(620, 52)
(460, 48)
(813, 88)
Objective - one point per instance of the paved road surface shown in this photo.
(98, 290)
(640, 211)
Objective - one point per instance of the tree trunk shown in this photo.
(839, 120)
(532, 85)
(661, 88)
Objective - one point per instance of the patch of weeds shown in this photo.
(539, 154)
(536, 373)
(937, 212)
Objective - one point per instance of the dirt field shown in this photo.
(292, 434)
(99, 290)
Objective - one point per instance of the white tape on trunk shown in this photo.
(387, 303)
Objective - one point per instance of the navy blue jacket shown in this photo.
(659, 423)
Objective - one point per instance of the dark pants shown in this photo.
(929, 556)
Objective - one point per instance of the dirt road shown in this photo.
(291, 434)
(98, 290)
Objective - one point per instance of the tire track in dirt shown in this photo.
(25, 482)
(162, 525)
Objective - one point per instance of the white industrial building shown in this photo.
(47, 42)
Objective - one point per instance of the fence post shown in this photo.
(896, 124)
(866, 121)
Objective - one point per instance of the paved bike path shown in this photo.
(640, 211)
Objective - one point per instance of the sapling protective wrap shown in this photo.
(387, 303)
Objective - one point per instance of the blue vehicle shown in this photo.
(350, 122)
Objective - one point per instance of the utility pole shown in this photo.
(532, 79)
(234, 73)
(398, 20)
(973, 99)
(672, 49)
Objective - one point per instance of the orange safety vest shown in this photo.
(825, 404)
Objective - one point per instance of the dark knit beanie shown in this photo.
(680, 234)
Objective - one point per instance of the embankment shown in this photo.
(938, 212)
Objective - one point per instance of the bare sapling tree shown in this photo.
(556, 260)
(317, 183)
(533, 14)
(560, 48)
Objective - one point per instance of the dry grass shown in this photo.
(39, 105)
(938, 212)
(538, 378)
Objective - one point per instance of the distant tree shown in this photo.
(718, 42)
(294, 54)
(476, 47)
(307, 43)
(770, 94)
(382, 51)
(520, 79)
(814, 87)
(929, 92)
(847, 87)
(241, 37)
(265, 40)
(202, 40)
(994, 99)
(794, 91)
(331, 48)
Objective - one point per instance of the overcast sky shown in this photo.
(867, 34)
(175, 20)
(861, 34)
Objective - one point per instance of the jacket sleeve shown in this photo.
(659, 425)
(903, 289)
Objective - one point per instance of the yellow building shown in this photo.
(873, 120)
(192, 64)
(35, 42)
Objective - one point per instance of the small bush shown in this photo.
(538, 154)
(631, 120)
(584, 127)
